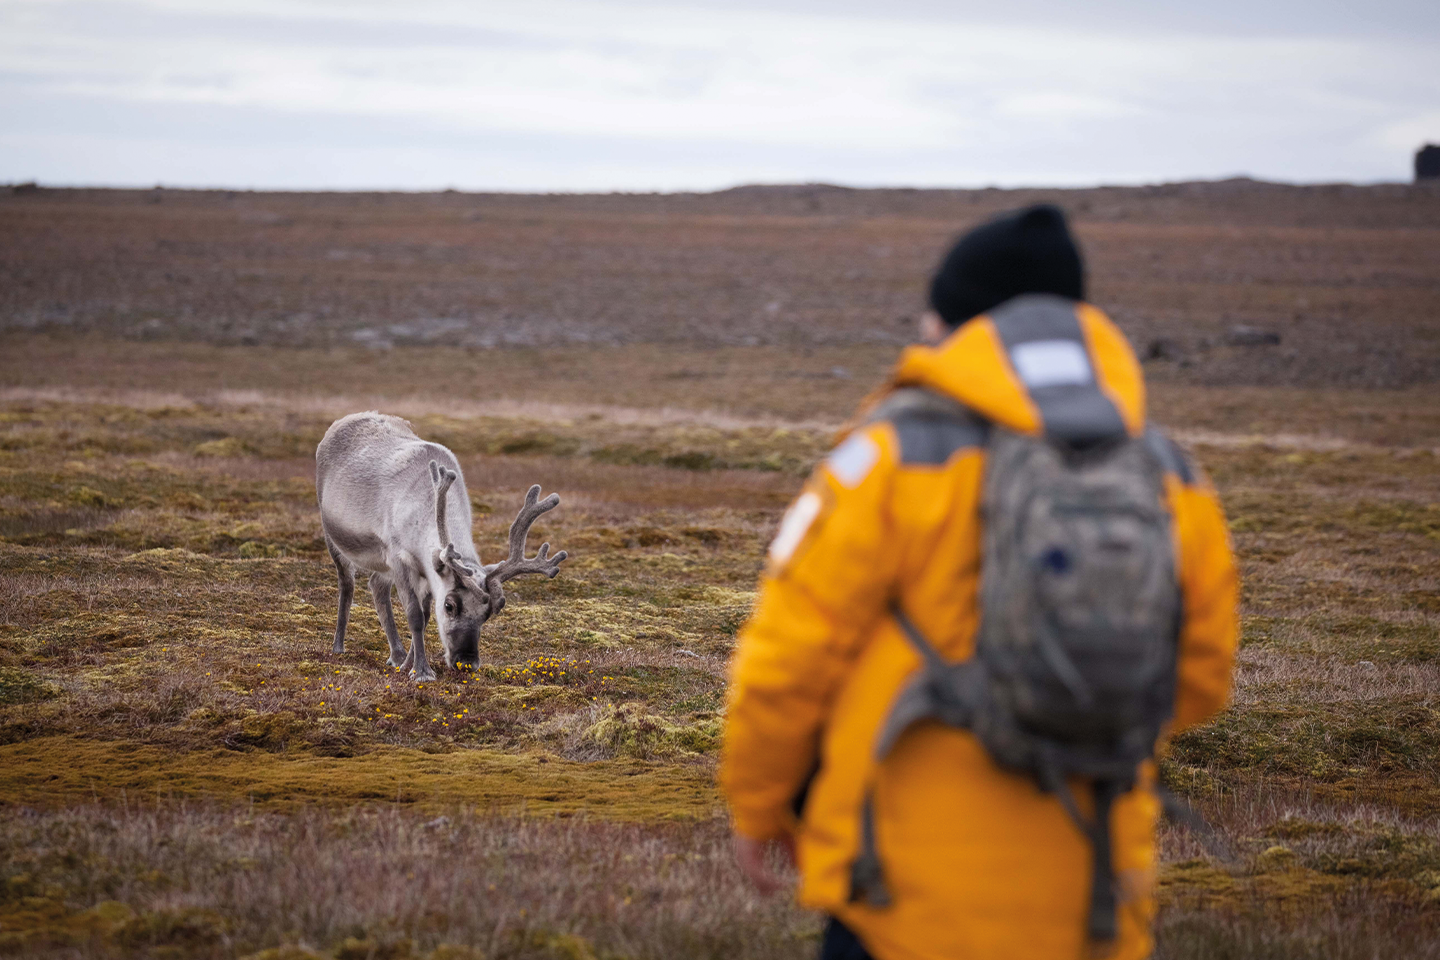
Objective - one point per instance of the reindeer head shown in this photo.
(475, 594)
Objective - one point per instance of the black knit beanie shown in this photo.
(1028, 251)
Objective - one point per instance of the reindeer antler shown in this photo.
(442, 478)
(517, 563)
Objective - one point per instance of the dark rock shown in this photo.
(1241, 336)
(1427, 162)
(1163, 348)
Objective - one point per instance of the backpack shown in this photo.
(1074, 670)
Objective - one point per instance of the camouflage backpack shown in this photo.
(1075, 656)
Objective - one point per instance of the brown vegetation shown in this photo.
(1344, 275)
(189, 771)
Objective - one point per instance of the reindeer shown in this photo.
(391, 506)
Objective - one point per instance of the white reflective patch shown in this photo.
(851, 461)
(793, 528)
(1051, 363)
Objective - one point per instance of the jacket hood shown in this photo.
(1037, 364)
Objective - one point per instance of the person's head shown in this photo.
(1026, 251)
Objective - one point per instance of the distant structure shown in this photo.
(1427, 162)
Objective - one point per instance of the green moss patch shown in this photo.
(22, 686)
(53, 772)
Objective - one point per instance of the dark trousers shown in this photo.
(840, 944)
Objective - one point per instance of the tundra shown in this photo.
(395, 507)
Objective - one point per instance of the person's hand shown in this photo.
(750, 856)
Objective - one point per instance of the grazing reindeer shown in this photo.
(390, 506)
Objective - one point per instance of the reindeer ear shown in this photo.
(449, 561)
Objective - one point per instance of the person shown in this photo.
(928, 846)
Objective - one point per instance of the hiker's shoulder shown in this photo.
(929, 427)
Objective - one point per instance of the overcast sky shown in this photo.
(556, 95)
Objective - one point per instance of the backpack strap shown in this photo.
(951, 693)
(867, 874)
(1172, 459)
(931, 656)
(1103, 921)
(1046, 345)
(943, 691)
(1179, 811)
(930, 426)
(928, 695)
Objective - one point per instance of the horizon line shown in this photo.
(36, 184)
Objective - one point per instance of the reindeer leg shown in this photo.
(347, 593)
(415, 615)
(380, 591)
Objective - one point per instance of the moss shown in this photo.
(268, 731)
(1198, 881)
(451, 951)
(612, 622)
(353, 948)
(49, 772)
(1278, 857)
(1402, 637)
(692, 460)
(190, 928)
(210, 433)
(224, 447)
(627, 730)
(565, 946)
(21, 686)
(89, 497)
(1323, 741)
(289, 951)
(36, 923)
(539, 442)
(1190, 781)
(255, 550)
(1380, 853)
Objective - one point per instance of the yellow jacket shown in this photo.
(979, 862)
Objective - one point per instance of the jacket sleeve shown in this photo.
(1209, 584)
(826, 585)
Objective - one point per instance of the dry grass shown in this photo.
(1337, 686)
(189, 771)
(1303, 877)
(193, 880)
(383, 882)
(641, 386)
(165, 606)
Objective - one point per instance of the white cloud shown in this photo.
(1057, 105)
(1410, 132)
(529, 95)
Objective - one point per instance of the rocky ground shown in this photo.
(1204, 276)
